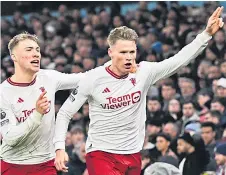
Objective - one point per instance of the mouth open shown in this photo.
(35, 62)
(128, 65)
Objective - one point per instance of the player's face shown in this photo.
(123, 55)
(26, 54)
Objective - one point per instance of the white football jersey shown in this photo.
(27, 136)
(117, 105)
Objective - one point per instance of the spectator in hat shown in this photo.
(195, 158)
(163, 145)
(220, 157)
(221, 88)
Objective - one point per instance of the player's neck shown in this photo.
(23, 77)
(115, 70)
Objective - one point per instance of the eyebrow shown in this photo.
(32, 47)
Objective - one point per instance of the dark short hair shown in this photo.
(171, 84)
(187, 102)
(154, 98)
(215, 113)
(209, 124)
(165, 136)
(219, 100)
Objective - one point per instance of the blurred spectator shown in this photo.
(221, 88)
(188, 88)
(219, 45)
(195, 159)
(173, 130)
(174, 112)
(218, 104)
(223, 68)
(145, 160)
(204, 97)
(77, 163)
(208, 136)
(154, 109)
(168, 91)
(163, 145)
(221, 158)
(153, 128)
(189, 113)
(147, 145)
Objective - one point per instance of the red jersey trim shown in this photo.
(115, 75)
(21, 84)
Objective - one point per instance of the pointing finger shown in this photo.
(42, 95)
(219, 12)
(215, 12)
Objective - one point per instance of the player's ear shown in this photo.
(110, 52)
(13, 57)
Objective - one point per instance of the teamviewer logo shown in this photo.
(136, 96)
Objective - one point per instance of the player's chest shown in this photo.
(123, 92)
(23, 102)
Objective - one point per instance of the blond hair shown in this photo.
(20, 37)
(121, 33)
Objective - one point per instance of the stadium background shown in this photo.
(73, 39)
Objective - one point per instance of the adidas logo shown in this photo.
(20, 100)
(106, 90)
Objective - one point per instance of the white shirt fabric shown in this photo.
(181, 165)
(118, 104)
(27, 136)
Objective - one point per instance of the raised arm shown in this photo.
(14, 135)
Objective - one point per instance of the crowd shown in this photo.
(191, 102)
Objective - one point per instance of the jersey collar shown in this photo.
(21, 84)
(115, 75)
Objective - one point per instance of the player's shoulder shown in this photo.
(95, 73)
(4, 85)
(6, 89)
(46, 72)
(146, 65)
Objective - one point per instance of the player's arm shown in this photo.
(169, 66)
(74, 102)
(14, 135)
